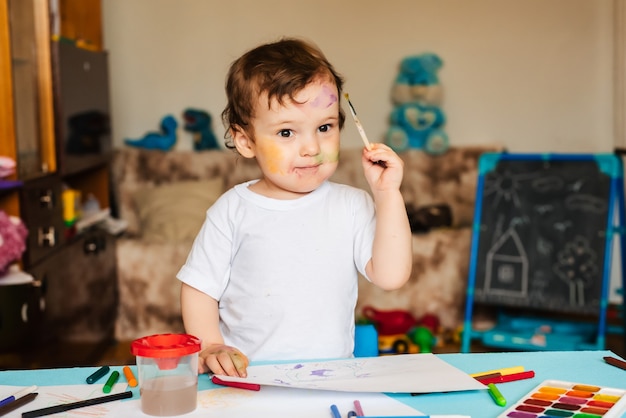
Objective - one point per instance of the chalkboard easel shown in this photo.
(542, 239)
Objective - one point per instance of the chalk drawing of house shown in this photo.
(506, 270)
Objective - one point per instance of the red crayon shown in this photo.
(239, 385)
(507, 377)
(615, 362)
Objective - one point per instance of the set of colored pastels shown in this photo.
(555, 398)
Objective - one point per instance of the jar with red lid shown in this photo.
(167, 366)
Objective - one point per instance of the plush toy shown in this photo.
(418, 81)
(414, 125)
(417, 120)
(13, 235)
(163, 140)
(198, 122)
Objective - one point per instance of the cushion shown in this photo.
(175, 211)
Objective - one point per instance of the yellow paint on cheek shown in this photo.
(327, 157)
(273, 157)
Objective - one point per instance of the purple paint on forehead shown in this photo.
(327, 97)
(298, 366)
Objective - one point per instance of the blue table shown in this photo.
(574, 366)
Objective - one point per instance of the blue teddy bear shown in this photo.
(417, 80)
(417, 120)
(415, 125)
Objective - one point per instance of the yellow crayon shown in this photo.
(503, 372)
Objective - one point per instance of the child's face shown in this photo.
(296, 144)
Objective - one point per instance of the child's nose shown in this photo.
(310, 146)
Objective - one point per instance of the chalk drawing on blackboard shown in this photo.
(507, 266)
(547, 184)
(562, 226)
(506, 186)
(576, 186)
(577, 265)
(586, 203)
(544, 209)
(555, 216)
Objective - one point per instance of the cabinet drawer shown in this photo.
(42, 212)
(79, 284)
(21, 313)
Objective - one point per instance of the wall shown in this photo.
(534, 75)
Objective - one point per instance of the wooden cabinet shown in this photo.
(26, 108)
(32, 87)
(81, 20)
(34, 94)
(44, 90)
(79, 287)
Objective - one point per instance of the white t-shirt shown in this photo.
(285, 271)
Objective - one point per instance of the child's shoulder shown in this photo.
(347, 190)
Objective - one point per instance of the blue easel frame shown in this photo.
(487, 163)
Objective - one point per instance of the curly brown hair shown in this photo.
(281, 69)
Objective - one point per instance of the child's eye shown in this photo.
(325, 128)
(285, 133)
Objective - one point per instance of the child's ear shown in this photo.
(243, 142)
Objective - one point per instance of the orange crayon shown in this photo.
(130, 377)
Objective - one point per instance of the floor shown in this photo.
(112, 353)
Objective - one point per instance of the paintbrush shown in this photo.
(357, 122)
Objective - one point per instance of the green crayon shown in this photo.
(112, 380)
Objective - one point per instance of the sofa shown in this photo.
(163, 197)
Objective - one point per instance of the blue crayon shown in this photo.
(93, 378)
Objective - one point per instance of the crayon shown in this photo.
(335, 411)
(615, 362)
(506, 370)
(358, 408)
(239, 385)
(496, 395)
(130, 377)
(74, 405)
(111, 381)
(95, 376)
(506, 378)
(17, 403)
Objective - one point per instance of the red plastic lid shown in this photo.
(165, 345)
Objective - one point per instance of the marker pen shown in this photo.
(112, 380)
(93, 378)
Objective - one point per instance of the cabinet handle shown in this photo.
(46, 236)
(24, 313)
(46, 199)
(94, 245)
(91, 246)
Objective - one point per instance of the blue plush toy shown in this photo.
(418, 81)
(163, 140)
(417, 120)
(198, 122)
(415, 125)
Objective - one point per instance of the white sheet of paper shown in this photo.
(56, 395)
(407, 373)
(275, 402)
